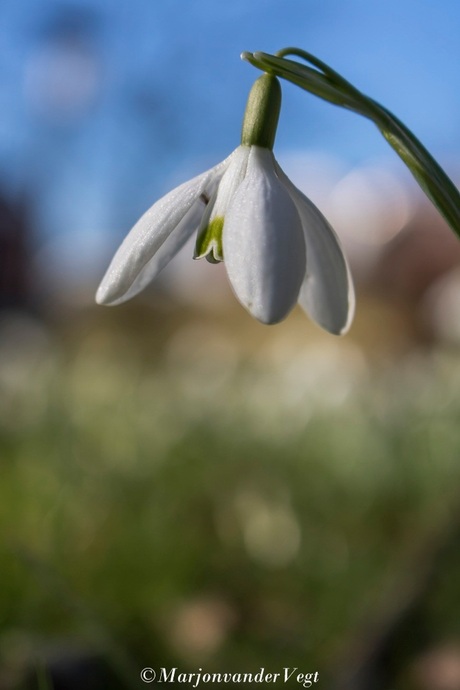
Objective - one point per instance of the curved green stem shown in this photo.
(324, 82)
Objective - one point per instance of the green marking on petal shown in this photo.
(209, 242)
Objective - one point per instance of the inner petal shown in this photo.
(209, 238)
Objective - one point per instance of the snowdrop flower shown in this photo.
(277, 247)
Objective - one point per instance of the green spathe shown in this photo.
(262, 113)
(209, 242)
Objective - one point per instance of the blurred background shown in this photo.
(181, 486)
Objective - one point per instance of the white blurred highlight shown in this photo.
(370, 205)
(271, 531)
(62, 80)
(441, 307)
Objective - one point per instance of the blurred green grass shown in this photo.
(203, 504)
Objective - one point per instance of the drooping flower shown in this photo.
(277, 247)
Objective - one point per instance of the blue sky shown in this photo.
(164, 93)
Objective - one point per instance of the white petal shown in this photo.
(264, 246)
(168, 250)
(231, 180)
(327, 293)
(150, 233)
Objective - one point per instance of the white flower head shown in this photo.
(277, 247)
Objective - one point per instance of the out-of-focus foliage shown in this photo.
(196, 503)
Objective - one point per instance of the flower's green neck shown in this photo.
(262, 113)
